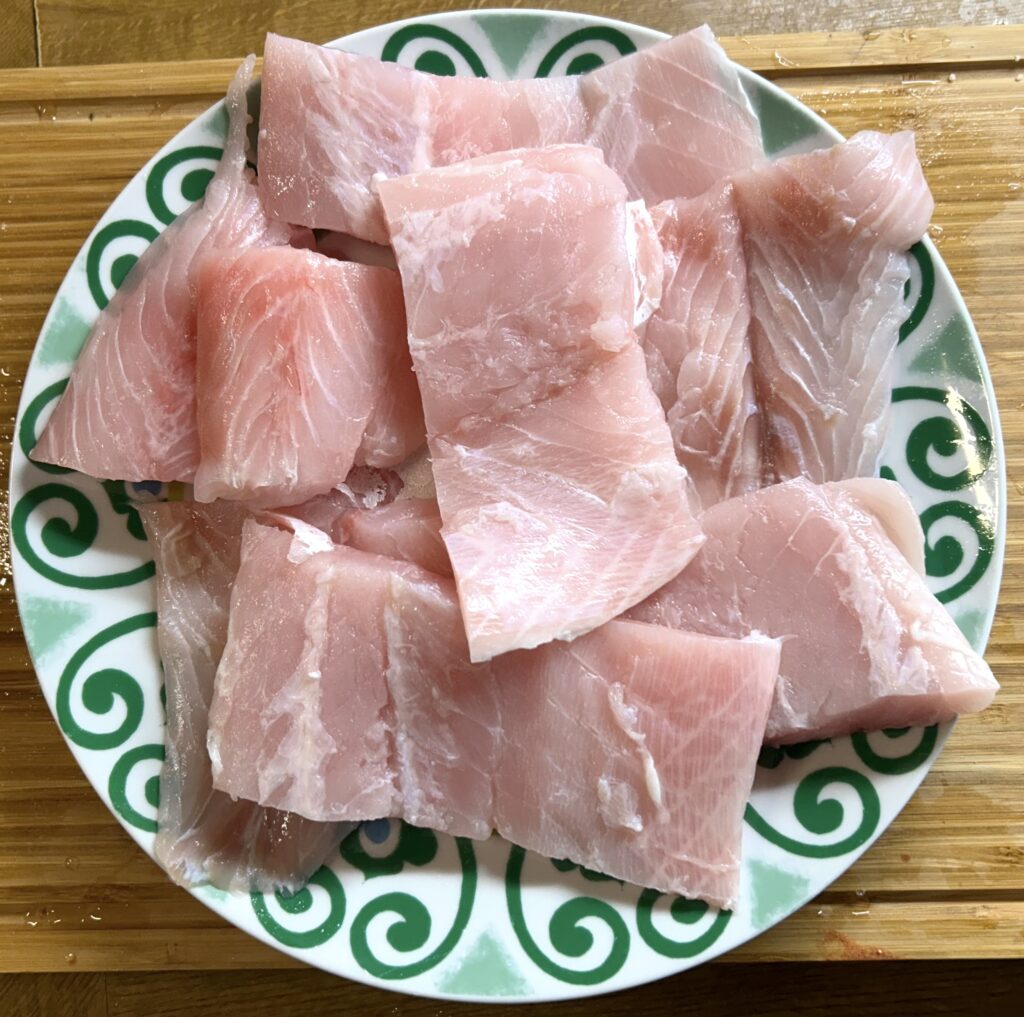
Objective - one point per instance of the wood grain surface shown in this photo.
(946, 881)
(147, 30)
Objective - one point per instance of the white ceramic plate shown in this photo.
(405, 908)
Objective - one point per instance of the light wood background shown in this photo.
(99, 924)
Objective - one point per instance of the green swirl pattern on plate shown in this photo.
(300, 904)
(687, 913)
(822, 815)
(388, 909)
(904, 763)
(411, 931)
(568, 935)
(102, 689)
(118, 786)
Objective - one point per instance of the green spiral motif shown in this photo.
(568, 936)
(300, 903)
(101, 688)
(193, 184)
(122, 265)
(963, 429)
(67, 540)
(896, 764)
(585, 61)
(943, 557)
(415, 845)
(28, 433)
(685, 912)
(118, 786)
(823, 816)
(433, 61)
(924, 298)
(411, 931)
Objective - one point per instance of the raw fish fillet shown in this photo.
(671, 120)
(408, 530)
(308, 616)
(697, 345)
(865, 643)
(373, 709)
(302, 371)
(203, 836)
(826, 236)
(562, 500)
(129, 410)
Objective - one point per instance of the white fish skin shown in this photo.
(825, 236)
(128, 412)
(562, 500)
(865, 643)
(657, 732)
(671, 119)
(302, 371)
(203, 835)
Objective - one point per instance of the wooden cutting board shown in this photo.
(945, 881)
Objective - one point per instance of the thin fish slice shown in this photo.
(826, 236)
(671, 120)
(865, 643)
(697, 345)
(562, 500)
(129, 409)
(204, 836)
(302, 372)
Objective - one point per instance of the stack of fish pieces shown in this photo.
(651, 369)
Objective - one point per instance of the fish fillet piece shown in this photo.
(128, 412)
(293, 723)
(408, 530)
(697, 345)
(204, 836)
(562, 500)
(826, 236)
(865, 643)
(671, 120)
(658, 731)
(302, 371)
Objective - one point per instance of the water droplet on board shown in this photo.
(952, 77)
(70, 863)
(70, 958)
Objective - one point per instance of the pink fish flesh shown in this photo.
(826, 236)
(346, 692)
(562, 500)
(129, 409)
(407, 530)
(697, 345)
(671, 120)
(203, 835)
(865, 643)
(302, 371)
